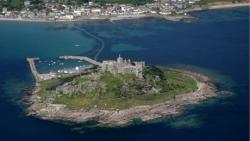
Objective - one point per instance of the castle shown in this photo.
(123, 66)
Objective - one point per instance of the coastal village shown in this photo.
(55, 11)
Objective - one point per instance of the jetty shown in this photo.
(34, 71)
(82, 58)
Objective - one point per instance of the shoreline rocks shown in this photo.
(113, 118)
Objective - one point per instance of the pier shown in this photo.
(33, 68)
(82, 58)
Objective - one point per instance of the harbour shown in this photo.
(66, 72)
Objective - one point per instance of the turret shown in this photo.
(119, 59)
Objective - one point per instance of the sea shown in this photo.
(215, 43)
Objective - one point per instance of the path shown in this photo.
(97, 38)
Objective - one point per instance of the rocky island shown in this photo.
(115, 92)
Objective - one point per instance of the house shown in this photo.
(77, 13)
(4, 10)
(66, 17)
(165, 12)
(96, 10)
(27, 3)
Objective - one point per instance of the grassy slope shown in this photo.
(177, 82)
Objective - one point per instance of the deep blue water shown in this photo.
(217, 44)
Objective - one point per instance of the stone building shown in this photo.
(123, 66)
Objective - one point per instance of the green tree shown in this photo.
(16, 4)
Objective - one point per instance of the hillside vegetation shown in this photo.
(103, 90)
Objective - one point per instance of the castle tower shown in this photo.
(119, 59)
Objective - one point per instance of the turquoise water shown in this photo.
(19, 40)
(215, 45)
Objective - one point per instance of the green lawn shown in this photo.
(174, 83)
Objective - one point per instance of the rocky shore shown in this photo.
(58, 112)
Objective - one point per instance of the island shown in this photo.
(114, 92)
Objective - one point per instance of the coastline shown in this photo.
(218, 6)
(113, 118)
(111, 19)
(178, 17)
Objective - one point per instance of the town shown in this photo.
(51, 10)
